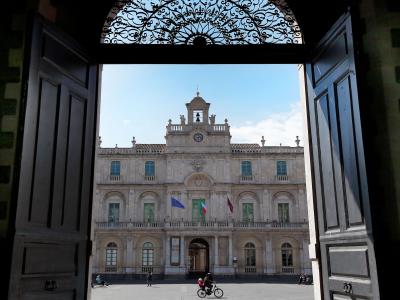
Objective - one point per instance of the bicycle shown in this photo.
(218, 292)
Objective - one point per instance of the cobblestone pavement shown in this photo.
(187, 291)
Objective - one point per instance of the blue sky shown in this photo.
(138, 100)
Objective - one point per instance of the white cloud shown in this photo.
(126, 122)
(277, 128)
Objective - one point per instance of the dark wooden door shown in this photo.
(50, 255)
(341, 192)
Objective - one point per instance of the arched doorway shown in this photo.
(199, 257)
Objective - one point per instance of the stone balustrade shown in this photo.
(187, 225)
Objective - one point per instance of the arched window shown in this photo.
(147, 257)
(111, 257)
(287, 258)
(250, 258)
(219, 22)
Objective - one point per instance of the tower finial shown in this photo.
(197, 93)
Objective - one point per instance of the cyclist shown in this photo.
(208, 281)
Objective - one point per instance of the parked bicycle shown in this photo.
(305, 279)
(202, 292)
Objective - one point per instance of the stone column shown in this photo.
(301, 259)
(168, 212)
(306, 258)
(129, 255)
(182, 251)
(230, 252)
(269, 257)
(216, 258)
(131, 206)
(167, 251)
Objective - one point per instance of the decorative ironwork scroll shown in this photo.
(201, 22)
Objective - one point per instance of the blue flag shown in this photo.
(176, 203)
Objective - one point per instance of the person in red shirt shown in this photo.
(200, 282)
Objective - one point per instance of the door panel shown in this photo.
(341, 192)
(55, 190)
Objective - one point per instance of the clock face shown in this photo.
(198, 137)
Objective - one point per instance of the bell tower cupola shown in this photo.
(197, 111)
(198, 133)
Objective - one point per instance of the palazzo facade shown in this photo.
(245, 210)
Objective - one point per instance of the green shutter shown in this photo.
(148, 212)
(248, 212)
(113, 212)
(283, 212)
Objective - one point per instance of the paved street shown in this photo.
(187, 291)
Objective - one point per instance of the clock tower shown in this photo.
(199, 131)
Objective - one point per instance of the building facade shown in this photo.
(245, 209)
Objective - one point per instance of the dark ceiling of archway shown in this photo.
(85, 19)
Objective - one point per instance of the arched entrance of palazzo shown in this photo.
(199, 258)
(56, 144)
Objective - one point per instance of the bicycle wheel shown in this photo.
(218, 293)
(201, 293)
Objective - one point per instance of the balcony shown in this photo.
(207, 225)
(281, 178)
(115, 177)
(250, 269)
(246, 178)
(149, 178)
(288, 270)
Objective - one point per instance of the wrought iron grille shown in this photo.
(201, 22)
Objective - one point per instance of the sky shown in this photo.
(257, 100)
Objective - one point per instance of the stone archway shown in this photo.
(199, 257)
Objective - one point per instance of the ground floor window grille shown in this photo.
(287, 258)
(250, 258)
(111, 257)
(147, 257)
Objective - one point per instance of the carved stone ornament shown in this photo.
(198, 164)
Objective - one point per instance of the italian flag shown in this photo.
(203, 208)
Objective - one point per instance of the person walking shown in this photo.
(149, 278)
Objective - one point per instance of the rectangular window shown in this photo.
(115, 168)
(246, 168)
(283, 212)
(197, 210)
(281, 168)
(148, 214)
(248, 212)
(149, 168)
(113, 212)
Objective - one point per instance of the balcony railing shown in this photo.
(149, 178)
(212, 225)
(110, 269)
(281, 178)
(289, 270)
(245, 178)
(250, 269)
(115, 177)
